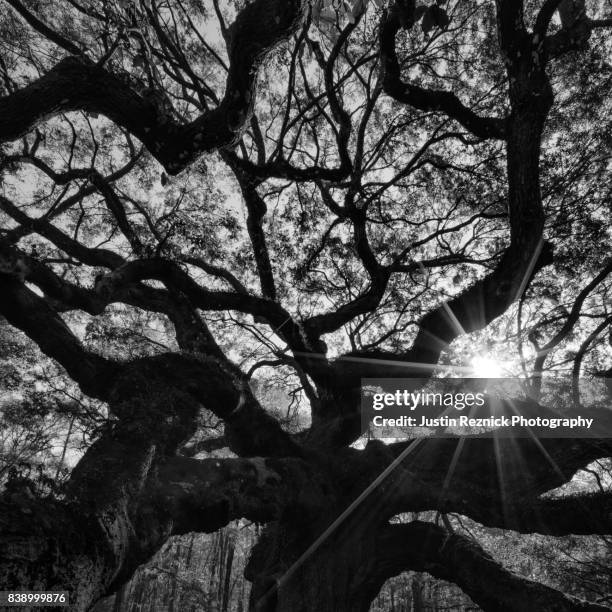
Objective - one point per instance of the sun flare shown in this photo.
(486, 367)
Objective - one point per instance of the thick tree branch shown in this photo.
(427, 99)
(576, 28)
(281, 168)
(486, 480)
(426, 547)
(173, 276)
(86, 255)
(531, 98)
(204, 495)
(31, 314)
(78, 84)
(545, 16)
(210, 378)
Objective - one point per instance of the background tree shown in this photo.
(202, 201)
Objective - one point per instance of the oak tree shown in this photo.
(203, 198)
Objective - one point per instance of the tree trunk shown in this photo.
(91, 542)
(340, 576)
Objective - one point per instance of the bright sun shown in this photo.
(486, 367)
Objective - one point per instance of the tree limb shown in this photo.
(426, 547)
(44, 29)
(76, 83)
(427, 99)
(31, 314)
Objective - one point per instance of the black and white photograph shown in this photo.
(306, 305)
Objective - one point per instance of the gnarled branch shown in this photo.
(426, 547)
(76, 83)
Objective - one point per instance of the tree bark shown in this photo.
(336, 578)
(348, 570)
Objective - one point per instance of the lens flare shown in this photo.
(486, 367)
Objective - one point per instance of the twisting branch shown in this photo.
(427, 99)
(175, 277)
(473, 486)
(531, 98)
(76, 83)
(89, 256)
(576, 28)
(31, 314)
(426, 547)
